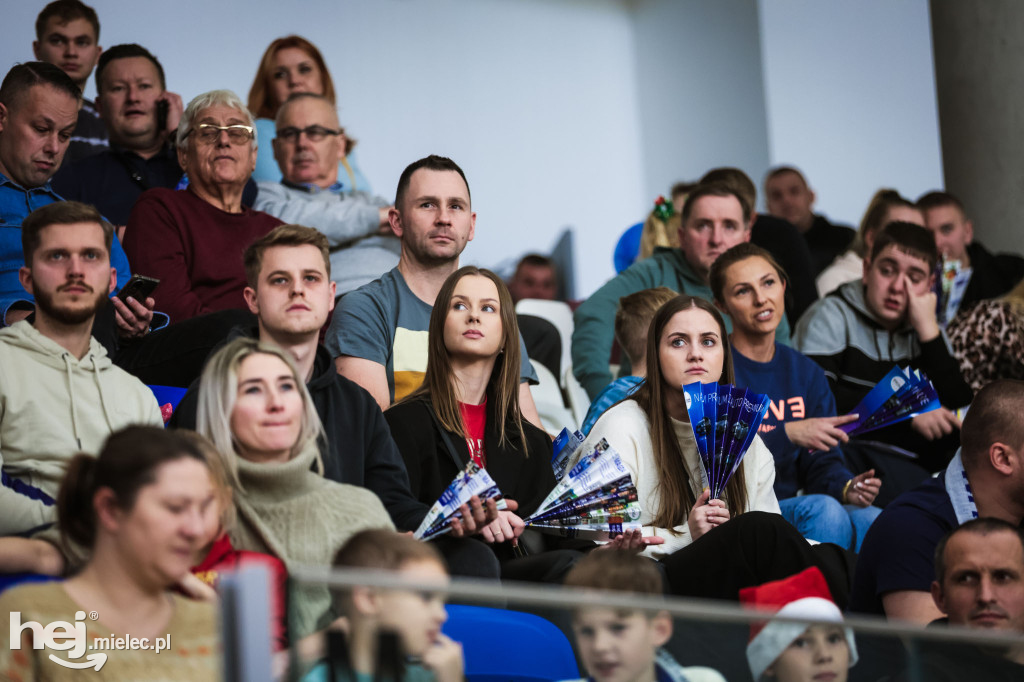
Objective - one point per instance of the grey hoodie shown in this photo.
(53, 405)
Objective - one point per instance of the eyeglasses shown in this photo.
(313, 133)
(209, 133)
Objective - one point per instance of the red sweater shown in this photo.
(224, 557)
(193, 248)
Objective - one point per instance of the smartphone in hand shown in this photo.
(139, 287)
(163, 108)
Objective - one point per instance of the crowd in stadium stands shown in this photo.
(342, 367)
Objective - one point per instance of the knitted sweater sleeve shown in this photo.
(156, 247)
(341, 218)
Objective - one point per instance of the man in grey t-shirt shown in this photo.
(378, 336)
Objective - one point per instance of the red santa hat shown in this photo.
(804, 595)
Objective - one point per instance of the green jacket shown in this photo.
(594, 321)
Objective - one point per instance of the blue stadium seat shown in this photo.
(9, 580)
(167, 395)
(539, 652)
(628, 247)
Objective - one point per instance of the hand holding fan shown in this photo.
(596, 499)
(474, 480)
(900, 395)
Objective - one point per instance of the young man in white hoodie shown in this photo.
(60, 393)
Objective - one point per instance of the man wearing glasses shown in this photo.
(192, 239)
(308, 148)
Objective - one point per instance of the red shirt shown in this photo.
(475, 419)
(224, 557)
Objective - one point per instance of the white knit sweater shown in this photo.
(626, 429)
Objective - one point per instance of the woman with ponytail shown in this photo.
(141, 511)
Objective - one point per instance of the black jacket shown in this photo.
(992, 275)
(359, 448)
(827, 240)
(525, 478)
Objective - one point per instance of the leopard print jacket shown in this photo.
(988, 341)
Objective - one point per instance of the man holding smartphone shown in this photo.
(141, 117)
(38, 110)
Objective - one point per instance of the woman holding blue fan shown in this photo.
(712, 547)
(800, 427)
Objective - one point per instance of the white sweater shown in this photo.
(626, 429)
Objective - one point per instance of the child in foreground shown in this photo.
(632, 320)
(619, 645)
(789, 652)
(415, 617)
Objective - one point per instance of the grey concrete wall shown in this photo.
(979, 70)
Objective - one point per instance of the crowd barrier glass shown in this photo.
(524, 632)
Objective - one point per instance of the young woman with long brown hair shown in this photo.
(712, 547)
(467, 408)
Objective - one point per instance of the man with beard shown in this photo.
(38, 108)
(378, 336)
(61, 394)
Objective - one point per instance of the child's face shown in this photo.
(820, 654)
(619, 646)
(416, 617)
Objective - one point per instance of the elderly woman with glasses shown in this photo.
(192, 239)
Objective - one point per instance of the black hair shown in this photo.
(124, 51)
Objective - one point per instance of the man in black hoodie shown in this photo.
(291, 293)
